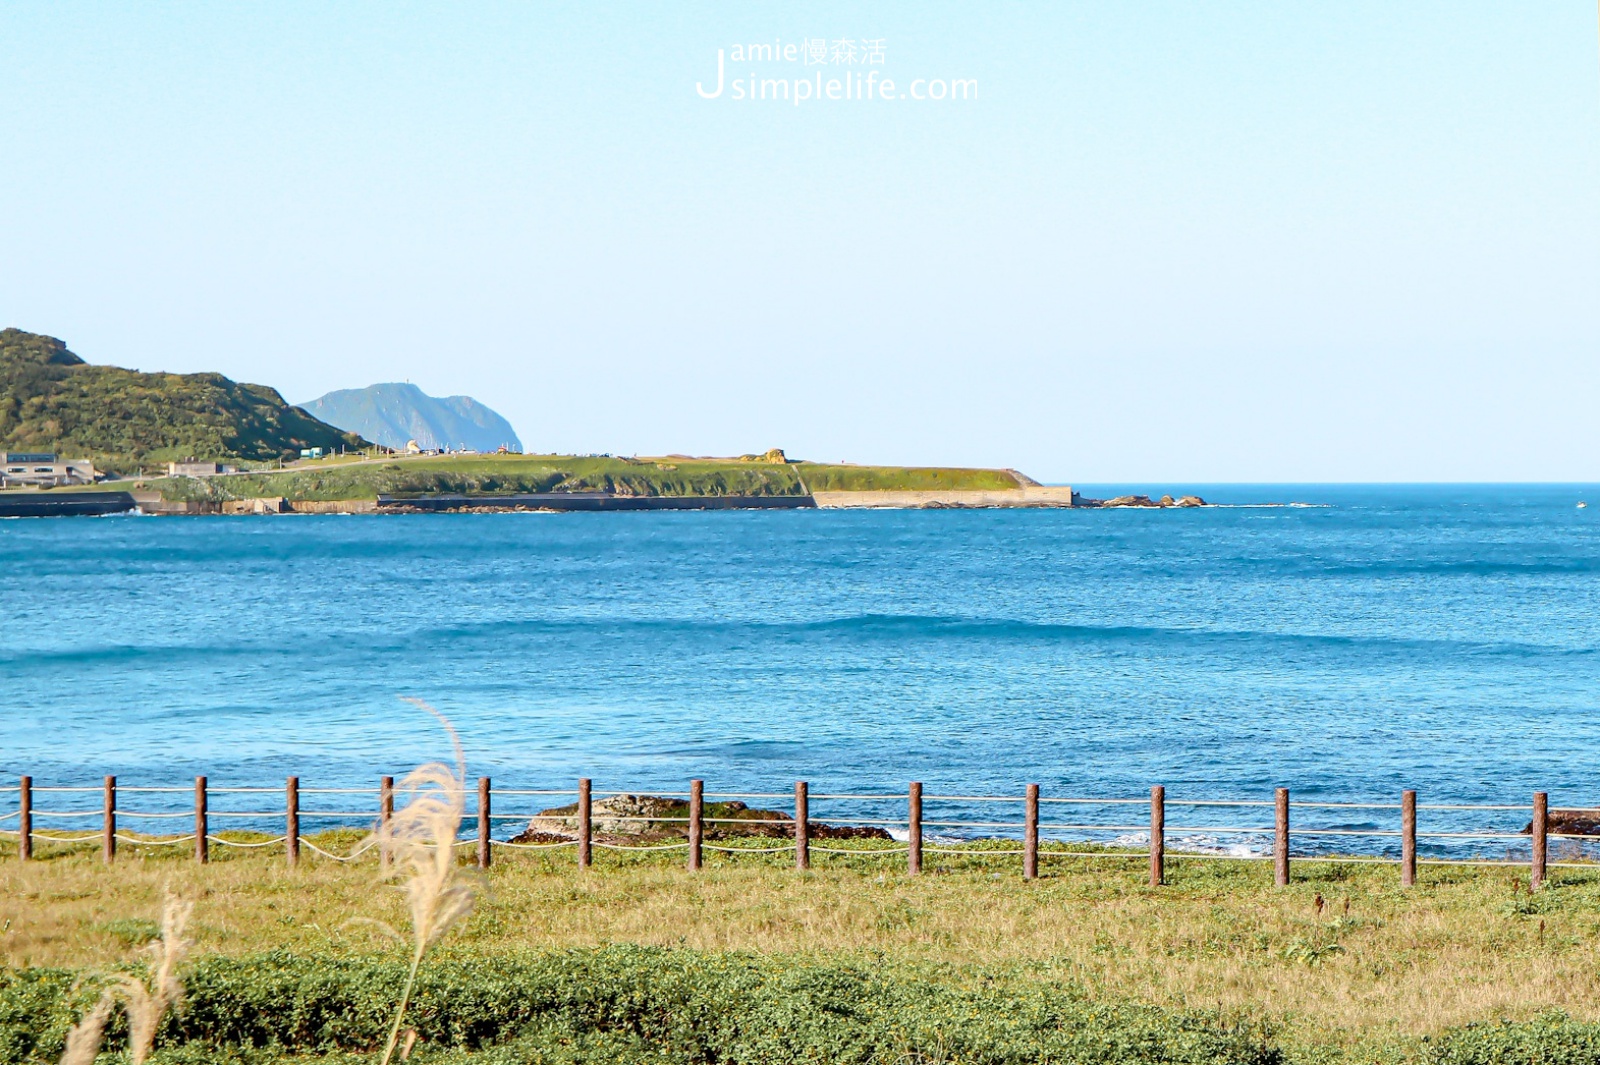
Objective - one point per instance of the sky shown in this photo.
(1230, 241)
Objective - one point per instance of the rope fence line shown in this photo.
(796, 824)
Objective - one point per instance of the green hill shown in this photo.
(51, 400)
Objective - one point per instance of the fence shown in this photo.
(797, 826)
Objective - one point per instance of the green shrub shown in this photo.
(1553, 1039)
(622, 1004)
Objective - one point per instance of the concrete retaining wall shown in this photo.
(1032, 496)
(592, 501)
(334, 506)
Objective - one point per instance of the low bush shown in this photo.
(622, 1004)
(1553, 1039)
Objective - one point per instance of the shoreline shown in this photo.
(62, 503)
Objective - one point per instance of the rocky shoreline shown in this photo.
(1141, 501)
(653, 818)
(1569, 823)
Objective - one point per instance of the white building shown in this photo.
(43, 468)
(195, 469)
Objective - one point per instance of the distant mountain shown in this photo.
(51, 400)
(392, 414)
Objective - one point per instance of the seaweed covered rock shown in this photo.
(647, 818)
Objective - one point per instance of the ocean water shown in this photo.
(1443, 638)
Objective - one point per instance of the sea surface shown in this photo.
(1442, 638)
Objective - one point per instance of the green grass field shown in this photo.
(750, 961)
(830, 478)
(354, 478)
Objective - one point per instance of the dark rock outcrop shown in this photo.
(1569, 823)
(1142, 501)
(653, 818)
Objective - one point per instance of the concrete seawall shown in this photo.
(59, 504)
(1028, 496)
(588, 501)
(334, 506)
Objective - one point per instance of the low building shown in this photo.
(195, 469)
(43, 469)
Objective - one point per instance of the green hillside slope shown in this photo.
(51, 400)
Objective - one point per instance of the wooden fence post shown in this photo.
(202, 822)
(1541, 827)
(914, 830)
(485, 842)
(1280, 842)
(1030, 833)
(697, 792)
(802, 826)
(385, 813)
(25, 820)
(1408, 838)
(109, 832)
(291, 820)
(585, 825)
(1158, 835)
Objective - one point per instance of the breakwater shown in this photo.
(586, 501)
(57, 504)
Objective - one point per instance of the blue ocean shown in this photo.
(1366, 640)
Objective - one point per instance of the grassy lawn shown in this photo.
(1365, 976)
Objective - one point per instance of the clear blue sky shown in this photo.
(1174, 242)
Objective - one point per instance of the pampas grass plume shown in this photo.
(83, 1041)
(147, 1001)
(419, 842)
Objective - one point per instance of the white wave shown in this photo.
(903, 835)
(1269, 506)
(1197, 843)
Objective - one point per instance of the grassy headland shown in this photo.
(352, 478)
(126, 421)
(1219, 961)
(489, 475)
(821, 477)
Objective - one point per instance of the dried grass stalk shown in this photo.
(83, 1041)
(147, 1001)
(419, 842)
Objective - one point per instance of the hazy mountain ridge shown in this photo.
(51, 400)
(394, 412)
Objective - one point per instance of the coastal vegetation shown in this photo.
(749, 961)
(845, 478)
(51, 400)
(488, 475)
(352, 478)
